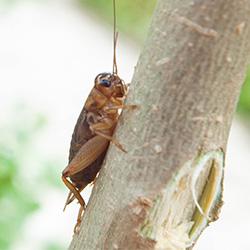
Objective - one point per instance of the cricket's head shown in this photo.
(110, 85)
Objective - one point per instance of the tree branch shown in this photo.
(165, 190)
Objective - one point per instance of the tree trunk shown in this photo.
(167, 188)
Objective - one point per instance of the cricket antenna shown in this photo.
(115, 36)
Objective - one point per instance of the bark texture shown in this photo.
(186, 84)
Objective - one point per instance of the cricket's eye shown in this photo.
(105, 83)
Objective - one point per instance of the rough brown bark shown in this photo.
(186, 83)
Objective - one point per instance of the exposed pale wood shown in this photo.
(186, 83)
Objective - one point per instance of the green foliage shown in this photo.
(16, 202)
(133, 16)
(54, 246)
(50, 176)
(17, 198)
(244, 103)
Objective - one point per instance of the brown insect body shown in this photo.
(92, 135)
(98, 117)
(81, 135)
(94, 130)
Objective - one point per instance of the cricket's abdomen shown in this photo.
(81, 135)
(88, 175)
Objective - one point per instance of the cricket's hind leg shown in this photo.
(75, 192)
(79, 219)
(71, 197)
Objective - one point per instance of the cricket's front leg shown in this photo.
(122, 106)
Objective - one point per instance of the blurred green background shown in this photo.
(24, 173)
(18, 195)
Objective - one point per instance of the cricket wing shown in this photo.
(80, 135)
(87, 155)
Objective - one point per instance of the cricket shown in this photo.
(94, 130)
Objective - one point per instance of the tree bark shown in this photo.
(186, 84)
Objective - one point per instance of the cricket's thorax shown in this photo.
(101, 107)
